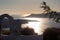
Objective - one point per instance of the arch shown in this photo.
(7, 16)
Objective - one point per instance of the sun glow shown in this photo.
(36, 25)
(30, 18)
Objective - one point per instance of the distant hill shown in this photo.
(38, 16)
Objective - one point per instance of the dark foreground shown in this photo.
(22, 38)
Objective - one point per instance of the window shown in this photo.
(5, 31)
(5, 18)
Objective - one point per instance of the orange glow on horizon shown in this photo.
(20, 12)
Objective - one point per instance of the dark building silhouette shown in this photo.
(10, 26)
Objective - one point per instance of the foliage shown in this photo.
(48, 11)
(27, 31)
(51, 34)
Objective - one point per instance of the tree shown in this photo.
(48, 11)
(45, 7)
(27, 31)
(51, 34)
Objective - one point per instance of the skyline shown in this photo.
(24, 7)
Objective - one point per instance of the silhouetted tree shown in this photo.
(48, 11)
(45, 7)
(51, 34)
(27, 31)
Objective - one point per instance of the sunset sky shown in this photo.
(24, 7)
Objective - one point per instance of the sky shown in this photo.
(26, 7)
